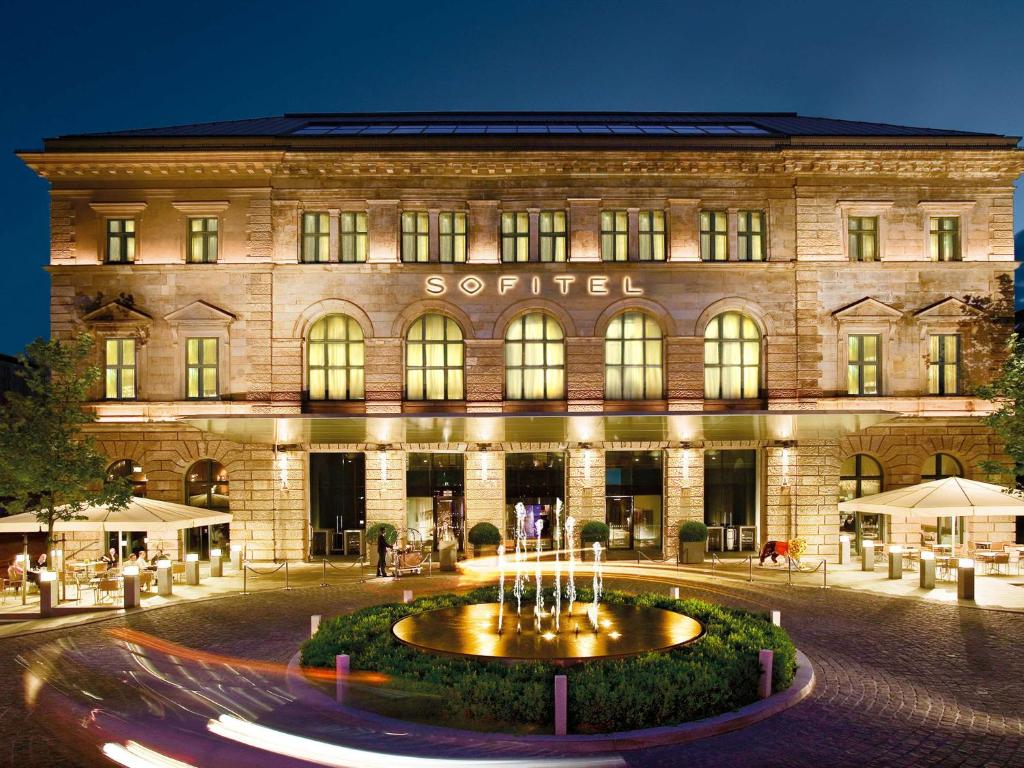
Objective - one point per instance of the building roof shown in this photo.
(526, 130)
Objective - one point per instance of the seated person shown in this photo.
(41, 561)
(15, 571)
(110, 558)
(141, 561)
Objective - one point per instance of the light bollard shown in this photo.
(766, 659)
(895, 562)
(47, 592)
(236, 556)
(406, 596)
(561, 704)
(965, 579)
(341, 669)
(777, 618)
(314, 623)
(132, 587)
(844, 549)
(867, 555)
(163, 578)
(674, 592)
(192, 569)
(927, 572)
(216, 564)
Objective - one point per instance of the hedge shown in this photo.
(715, 674)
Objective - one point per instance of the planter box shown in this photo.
(485, 550)
(692, 552)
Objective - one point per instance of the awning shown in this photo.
(141, 514)
(495, 429)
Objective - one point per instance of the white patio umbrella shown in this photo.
(949, 497)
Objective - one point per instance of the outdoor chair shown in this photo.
(177, 572)
(146, 580)
(108, 588)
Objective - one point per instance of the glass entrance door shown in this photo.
(619, 516)
(449, 519)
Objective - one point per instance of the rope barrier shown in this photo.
(345, 567)
(749, 560)
(245, 575)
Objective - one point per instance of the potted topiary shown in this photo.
(693, 542)
(485, 539)
(390, 536)
(591, 532)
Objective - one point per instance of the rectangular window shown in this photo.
(201, 368)
(750, 235)
(120, 241)
(714, 236)
(945, 238)
(863, 238)
(515, 236)
(120, 369)
(554, 240)
(614, 235)
(652, 236)
(863, 368)
(415, 237)
(944, 364)
(451, 227)
(202, 240)
(352, 234)
(316, 237)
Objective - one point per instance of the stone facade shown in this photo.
(805, 299)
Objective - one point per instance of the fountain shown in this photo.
(616, 630)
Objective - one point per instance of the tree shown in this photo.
(48, 464)
(1007, 421)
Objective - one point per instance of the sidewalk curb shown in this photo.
(803, 684)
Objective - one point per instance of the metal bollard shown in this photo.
(192, 569)
(163, 578)
(867, 555)
(844, 549)
(406, 595)
(766, 659)
(341, 669)
(236, 556)
(561, 704)
(965, 579)
(824, 574)
(323, 578)
(750, 570)
(287, 585)
(895, 562)
(245, 580)
(47, 592)
(216, 564)
(927, 572)
(314, 624)
(132, 587)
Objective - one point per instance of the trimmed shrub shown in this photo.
(484, 534)
(693, 530)
(390, 534)
(594, 530)
(717, 673)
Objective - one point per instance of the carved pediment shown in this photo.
(867, 309)
(948, 309)
(200, 313)
(117, 313)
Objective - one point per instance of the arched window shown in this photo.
(535, 358)
(206, 485)
(936, 467)
(732, 358)
(633, 358)
(433, 359)
(335, 358)
(939, 466)
(131, 471)
(860, 475)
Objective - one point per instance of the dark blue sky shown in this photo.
(71, 67)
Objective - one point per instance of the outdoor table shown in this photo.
(945, 568)
(910, 557)
(992, 560)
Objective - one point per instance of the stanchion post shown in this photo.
(824, 573)
(789, 569)
(764, 683)
(287, 583)
(323, 579)
(245, 579)
(561, 704)
(341, 670)
(750, 569)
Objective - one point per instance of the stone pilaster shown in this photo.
(385, 488)
(485, 488)
(584, 484)
(684, 493)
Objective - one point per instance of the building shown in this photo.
(323, 321)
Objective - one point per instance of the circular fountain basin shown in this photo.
(472, 630)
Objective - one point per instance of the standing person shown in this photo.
(382, 553)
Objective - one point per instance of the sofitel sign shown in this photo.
(471, 285)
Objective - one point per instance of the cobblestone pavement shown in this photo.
(899, 682)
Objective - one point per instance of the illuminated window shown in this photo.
(714, 236)
(335, 359)
(652, 236)
(944, 237)
(206, 485)
(202, 240)
(119, 370)
(415, 236)
(451, 227)
(120, 241)
(554, 239)
(535, 358)
(860, 475)
(633, 358)
(316, 237)
(750, 235)
(352, 236)
(732, 358)
(614, 235)
(434, 359)
(201, 368)
(863, 238)
(937, 467)
(944, 364)
(863, 364)
(128, 470)
(515, 236)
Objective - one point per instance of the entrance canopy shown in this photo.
(141, 514)
(948, 497)
(495, 429)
